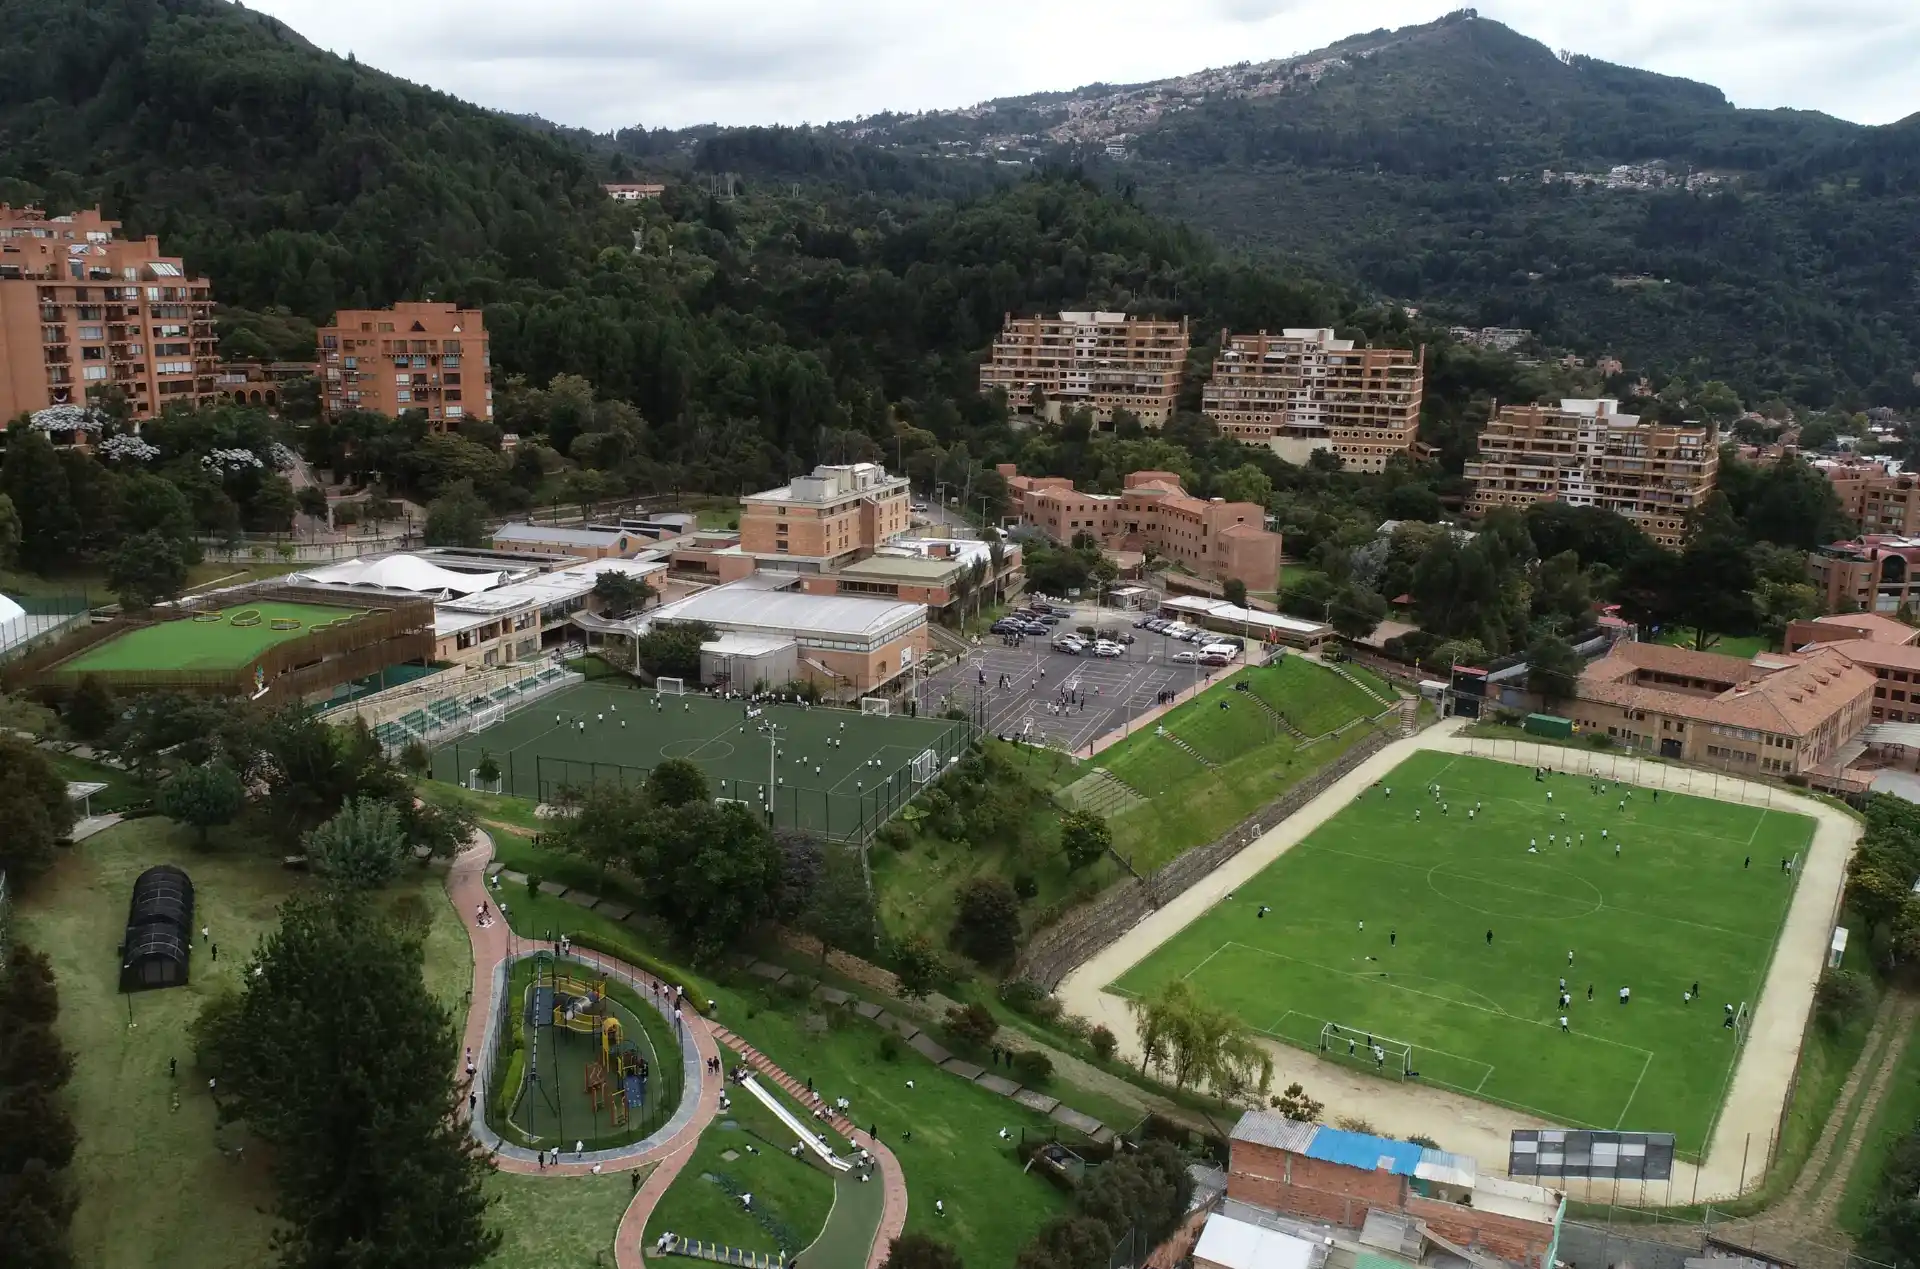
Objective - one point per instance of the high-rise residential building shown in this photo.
(1102, 361)
(820, 522)
(1303, 390)
(1586, 453)
(85, 313)
(426, 357)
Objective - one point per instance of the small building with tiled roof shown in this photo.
(1778, 714)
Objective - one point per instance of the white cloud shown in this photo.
(611, 63)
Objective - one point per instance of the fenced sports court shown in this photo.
(837, 773)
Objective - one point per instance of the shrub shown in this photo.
(1032, 1066)
(889, 1047)
(1355, 1123)
(1104, 1044)
(1030, 999)
(533, 882)
(1599, 740)
(1841, 996)
(1025, 887)
(987, 925)
(361, 846)
(974, 1024)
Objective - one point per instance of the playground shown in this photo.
(835, 772)
(219, 640)
(582, 1060)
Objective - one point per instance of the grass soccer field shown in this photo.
(206, 645)
(608, 731)
(1379, 923)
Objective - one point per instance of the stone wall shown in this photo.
(863, 972)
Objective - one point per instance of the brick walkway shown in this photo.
(893, 1213)
(466, 887)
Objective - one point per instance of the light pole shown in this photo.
(773, 745)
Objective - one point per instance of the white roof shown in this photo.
(1220, 610)
(402, 572)
(10, 611)
(744, 608)
(1237, 1245)
(740, 645)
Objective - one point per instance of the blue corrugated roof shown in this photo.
(1364, 1150)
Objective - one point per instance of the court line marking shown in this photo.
(1498, 1013)
(1311, 845)
(1636, 1091)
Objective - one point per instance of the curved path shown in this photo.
(893, 1212)
(667, 1151)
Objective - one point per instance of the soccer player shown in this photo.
(1563, 981)
(1626, 994)
(1589, 991)
(1565, 1000)
(1563, 1022)
(1416, 815)
(1616, 850)
(1489, 938)
(1393, 938)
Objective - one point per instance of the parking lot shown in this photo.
(1064, 700)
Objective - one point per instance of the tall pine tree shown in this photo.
(336, 1055)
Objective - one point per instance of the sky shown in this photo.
(606, 64)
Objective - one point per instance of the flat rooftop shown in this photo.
(191, 644)
(794, 613)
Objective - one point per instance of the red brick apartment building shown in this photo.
(427, 357)
(84, 312)
(1102, 361)
(1215, 538)
(1303, 390)
(1400, 1202)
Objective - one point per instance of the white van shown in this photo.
(1226, 650)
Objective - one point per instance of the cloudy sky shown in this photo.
(612, 63)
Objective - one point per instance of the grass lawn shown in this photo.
(1190, 803)
(130, 1130)
(955, 1154)
(1675, 907)
(1899, 1114)
(612, 731)
(1743, 646)
(203, 645)
(122, 789)
(557, 1222)
(745, 1152)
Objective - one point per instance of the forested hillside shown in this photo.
(1410, 162)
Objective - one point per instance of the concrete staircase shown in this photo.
(1409, 715)
(1357, 681)
(1189, 750)
(1278, 717)
(1101, 792)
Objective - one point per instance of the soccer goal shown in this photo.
(670, 687)
(1379, 1053)
(876, 705)
(926, 765)
(1741, 1018)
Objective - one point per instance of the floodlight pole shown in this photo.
(773, 745)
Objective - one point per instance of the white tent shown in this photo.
(13, 623)
(403, 572)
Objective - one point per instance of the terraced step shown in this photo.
(1278, 717)
(1189, 750)
(1101, 792)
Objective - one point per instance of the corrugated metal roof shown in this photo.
(1263, 1128)
(1364, 1150)
(1448, 1169)
(794, 612)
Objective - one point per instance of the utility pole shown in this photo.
(773, 746)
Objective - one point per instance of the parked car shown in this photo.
(1124, 636)
(1007, 625)
(1070, 643)
(1215, 659)
(1184, 657)
(1219, 647)
(1143, 623)
(1107, 648)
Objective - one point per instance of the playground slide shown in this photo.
(800, 1130)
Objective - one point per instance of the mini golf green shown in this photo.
(191, 644)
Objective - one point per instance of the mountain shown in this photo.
(1464, 168)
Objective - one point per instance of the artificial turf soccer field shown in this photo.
(845, 797)
(1675, 906)
(205, 645)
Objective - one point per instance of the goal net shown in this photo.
(1381, 1054)
(876, 705)
(670, 687)
(926, 765)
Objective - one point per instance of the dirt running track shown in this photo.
(668, 1150)
(1743, 1136)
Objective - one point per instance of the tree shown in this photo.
(1235, 591)
(672, 649)
(312, 501)
(37, 1135)
(336, 1054)
(1085, 837)
(35, 482)
(677, 782)
(34, 807)
(147, 569)
(1357, 612)
(1294, 1103)
(458, 517)
(1069, 1242)
(839, 912)
(1104, 1042)
(718, 873)
(91, 712)
(1777, 605)
(919, 967)
(622, 593)
(1197, 1043)
(918, 1251)
(973, 1023)
(9, 532)
(487, 770)
(1553, 669)
(1245, 483)
(415, 759)
(361, 847)
(205, 797)
(987, 924)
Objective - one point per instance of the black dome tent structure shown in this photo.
(159, 940)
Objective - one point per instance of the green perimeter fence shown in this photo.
(840, 817)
